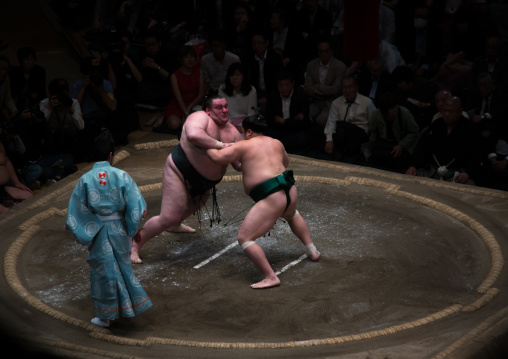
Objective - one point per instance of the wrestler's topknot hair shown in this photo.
(254, 124)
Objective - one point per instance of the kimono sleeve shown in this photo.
(135, 206)
(80, 220)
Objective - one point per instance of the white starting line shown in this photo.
(295, 262)
(215, 255)
(205, 262)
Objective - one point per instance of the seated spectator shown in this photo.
(448, 150)
(416, 94)
(241, 96)
(440, 99)
(286, 41)
(188, 88)
(263, 67)
(462, 49)
(313, 22)
(488, 108)
(390, 56)
(215, 64)
(238, 31)
(287, 113)
(63, 118)
(393, 134)
(157, 64)
(7, 103)
(28, 78)
(423, 56)
(15, 149)
(375, 80)
(126, 70)
(348, 122)
(322, 82)
(51, 130)
(494, 62)
(11, 188)
(495, 171)
(98, 105)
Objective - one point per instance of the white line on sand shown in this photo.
(215, 255)
(205, 262)
(295, 262)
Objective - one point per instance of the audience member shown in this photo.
(440, 99)
(238, 32)
(11, 188)
(313, 22)
(487, 109)
(157, 64)
(494, 62)
(453, 72)
(286, 41)
(34, 138)
(448, 150)
(188, 88)
(64, 119)
(416, 94)
(374, 80)
(241, 96)
(215, 64)
(28, 77)
(322, 81)
(7, 103)
(287, 113)
(263, 67)
(424, 54)
(348, 121)
(390, 56)
(495, 169)
(98, 105)
(393, 134)
(127, 72)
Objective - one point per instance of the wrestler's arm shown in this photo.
(237, 165)
(195, 130)
(227, 155)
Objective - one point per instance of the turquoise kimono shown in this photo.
(105, 210)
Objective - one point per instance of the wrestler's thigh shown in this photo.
(174, 193)
(291, 210)
(262, 217)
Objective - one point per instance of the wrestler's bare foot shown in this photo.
(136, 246)
(315, 256)
(266, 283)
(182, 229)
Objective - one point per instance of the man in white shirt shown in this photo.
(215, 64)
(348, 122)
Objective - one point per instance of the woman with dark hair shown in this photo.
(240, 94)
(188, 89)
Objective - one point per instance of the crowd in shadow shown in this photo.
(419, 87)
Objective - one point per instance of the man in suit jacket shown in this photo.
(375, 80)
(287, 113)
(314, 22)
(263, 67)
(322, 81)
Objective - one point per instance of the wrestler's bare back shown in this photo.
(262, 158)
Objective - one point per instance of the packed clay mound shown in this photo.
(406, 267)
